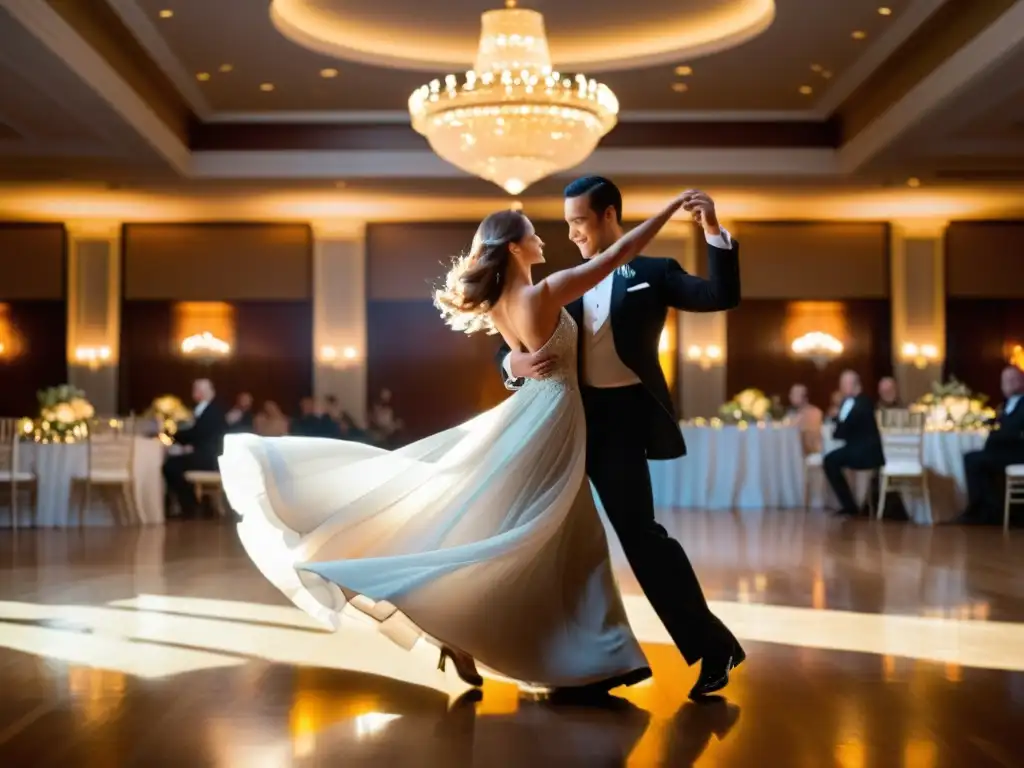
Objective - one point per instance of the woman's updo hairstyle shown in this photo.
(476, 280)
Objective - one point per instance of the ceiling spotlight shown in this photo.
(859, 34)
(516, 205)
(680, 87)
(166, 14)
(225, 68)
(806, 90)
(266, 87)
(816, 67)
(328, 73)
(914, 182)
(883, 11)
(826, 73)
(202, 76)
(340, 184)
(684, 71)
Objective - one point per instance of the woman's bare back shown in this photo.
(523, 319)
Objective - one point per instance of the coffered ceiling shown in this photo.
(307, 93)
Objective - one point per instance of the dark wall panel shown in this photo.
(980, 334)
(34, 335)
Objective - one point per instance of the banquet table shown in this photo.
(756, 466)
(943, 458)
(56, 463)
(761, 466)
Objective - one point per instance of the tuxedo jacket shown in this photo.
(1006, 440)
(859, 430)
(637, 319)
(206, 435)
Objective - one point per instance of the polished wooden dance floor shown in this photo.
(870, 645)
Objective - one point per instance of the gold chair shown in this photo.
(11, 472)
(1014, 491)
(903, 446)
(110, 468)
(207, 483)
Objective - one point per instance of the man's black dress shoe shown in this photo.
(714, 671)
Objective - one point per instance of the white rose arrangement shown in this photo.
(64, 413)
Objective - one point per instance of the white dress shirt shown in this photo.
(1011, 403)
(602, 366)
(199, 409)
(845, 409)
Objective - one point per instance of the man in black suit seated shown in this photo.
(196, 447)
(855, 425)
(241, 418)
(986, 469)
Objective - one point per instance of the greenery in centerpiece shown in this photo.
(168, 411)
(952, 405)
(64, 413)
(748, 405)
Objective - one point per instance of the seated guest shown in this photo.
(271, 422)
(196, 447)
(313, 422)
(855, 425)
(888, 394)
(350, 430)
(986, 469)
(807, 418)
(240, 418)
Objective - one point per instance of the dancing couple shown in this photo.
(485, 538)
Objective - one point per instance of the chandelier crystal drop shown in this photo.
(513, 119)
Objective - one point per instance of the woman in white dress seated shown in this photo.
(484, 538)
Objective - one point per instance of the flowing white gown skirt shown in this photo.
(484, 537)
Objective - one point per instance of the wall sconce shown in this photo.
(205, 345)
(1015, 358)
(820, 348)
(93, 357)
(3, 349)
(663, 342)
(705, 357)
(921, 356)
(337, 357)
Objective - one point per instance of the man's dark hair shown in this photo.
(601, 194)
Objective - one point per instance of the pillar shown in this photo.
(94, 311)
(339, 314)
(702, 350)
(917, 261)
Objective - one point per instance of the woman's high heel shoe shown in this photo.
(465, 667)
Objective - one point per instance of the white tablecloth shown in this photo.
(733, 468)
(56, 463)
(943, 455)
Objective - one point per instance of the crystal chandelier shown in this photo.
(513, 119)
(205, 345)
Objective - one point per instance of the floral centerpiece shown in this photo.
(168, 411)
(952, 405)
(748, 405)
(64, 413)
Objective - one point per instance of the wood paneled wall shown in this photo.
(263, 271)
(980, 334)
(814, 260)
(759, 332)
(33, 314)
(985, 259)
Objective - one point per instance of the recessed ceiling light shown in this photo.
(684, 71)
(166, 14)
(680, 87)
(914, 182)
(340, 184)
(859, 34)
(328, 73)
(266, 87)
(202, 76)
(225, 68)
(883, 11)
(826, 73)
(516, 205)
(806, 90)
(816, 67)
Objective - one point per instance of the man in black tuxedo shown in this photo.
(196, 447)
(986, 469)
(856, 426)
(630, 415)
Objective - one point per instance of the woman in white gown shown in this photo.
(483, 538)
